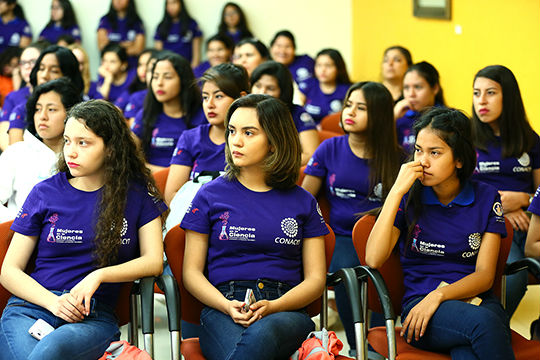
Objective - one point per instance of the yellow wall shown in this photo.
(493, 32)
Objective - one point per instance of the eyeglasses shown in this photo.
(27, 62)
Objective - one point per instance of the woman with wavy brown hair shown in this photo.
(94, 225)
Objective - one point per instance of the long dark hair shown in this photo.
(69, 19)
(132, 16)
(166, 22)
(282, 166)
(342, 76)
(137, 84)
(17, 10)
(282, 75)
(517, 135)
(454, 128)
(242, 26)
(189, 96)
(384, 156)
(123, 165)
(63, 87)
(431, 75)
(231, 79)
(68, 65)
(405, 52)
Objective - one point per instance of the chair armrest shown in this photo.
(146, 291)
(169, 286)
(530, 264)
(347, 276)
(364, 272)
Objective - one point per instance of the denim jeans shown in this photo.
(516, 285)
(87, 339)
(344, 257)
(467, 331)
(275, 336)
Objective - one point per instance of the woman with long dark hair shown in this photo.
(233, 23)
(95, 225)
(14, 28)
(63, 22)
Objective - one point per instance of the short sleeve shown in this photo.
(495, 222)
(27, 31)
(104, 24)
(196, 29)
(76, 33)
(400, 221)
(197, 217)
(30, 217)
(315, 224)
(182, 154)
(535, 154)
(17, 118)
(535, 204)
(137, 127)
(139, 28)
(151, 208)
(157, 34)
(317, 166)
(122, 101)
(304, 121)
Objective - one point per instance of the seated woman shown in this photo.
(283, 48)
(323, 94)
(356, 172)
(274, 79)
(234, 23)
(448, 230)
(395, 63)
(28, 162)
(235, 241)
(94, 225)
(250, 53)
(421, 89)
(219, 49)
(203, 148)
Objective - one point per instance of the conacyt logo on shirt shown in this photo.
(289, 226)
(475, 239)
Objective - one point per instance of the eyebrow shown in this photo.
(429, 148)
(214, 92)
(354, 102)
(245, 127)
(489, 88)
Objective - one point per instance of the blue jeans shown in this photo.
(467, 331)
(516, 285)
(87, 339)
(344, 257)
(275, 336)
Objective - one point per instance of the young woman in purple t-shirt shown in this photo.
(63, 22)
(396, 61)
(356, 172)
(94, 225)
(233, 23)
(508, 154)
(14, 29)
(219, 49)
(323, 94)
(235, 233)
(274, 79)
(203, 148)
(114, 77)
(448, 231)
(283, 48)
(250, 53)
(172, 106)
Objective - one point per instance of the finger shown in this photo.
(76, 302)
(404, 326)
(423, 328)
(87, 302)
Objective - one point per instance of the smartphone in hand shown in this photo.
(248, 300)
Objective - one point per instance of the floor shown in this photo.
(527, 311)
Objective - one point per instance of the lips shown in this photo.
(43, 126)
(237, 154)
(349, 122)
(72, 165)
(483, 111)
(160, 92)
(211, 114)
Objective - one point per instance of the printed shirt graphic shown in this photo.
(167, 131)
(319, 104)
(248, 237)
(178, 43)
(446, 239)
(13, 99)
(405, 134)
(302, 68)
(302, 119)
(53, 32)
(63, 219)
(347, 185)
(122, 32)
(195, 149)
(11, 33)
(514, 174)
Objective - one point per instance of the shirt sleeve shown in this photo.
(182, 154)
(304, 121)
(315, 224)
(197, 216)
(400, 221)
(76, 33)
(17, 118)
(317, 166)
(27, 31)
(535, 204)
(104, 24)
(31, 216)
(137, 127)
(535, 154)
(151, 208)
(196, 30)
(7, 169)
(7, 108)
(496, 222)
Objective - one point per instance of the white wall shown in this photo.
(316, 24)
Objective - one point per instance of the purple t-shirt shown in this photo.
(302, 68)
(167, 131)
(122, 33)
(446, 238)
(135, 103)
(177, 43)
(404, 131)
(53, 32)
(319, 104)
(302, 119)
(63, 218)
(535, 204)
(347, 184)
(249, 238)
(17, 118)
(11, 33)
(201, 69)
(13, 99)
(116, 90)
(195, 149)
(514, 174)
